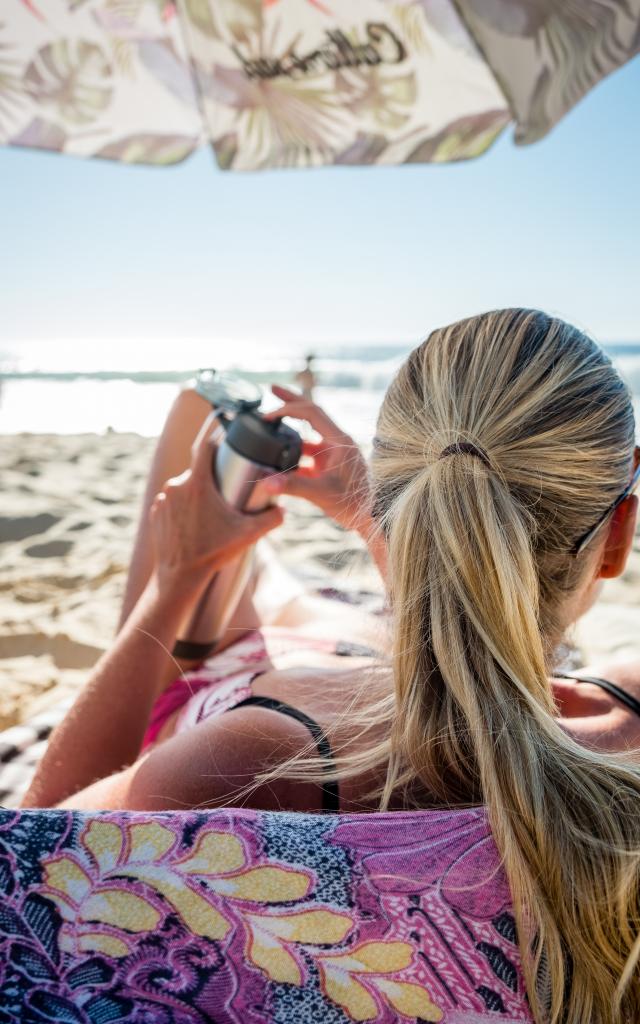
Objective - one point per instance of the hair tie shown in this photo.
(465, 448)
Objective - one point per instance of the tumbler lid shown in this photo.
(270, 443)
(227, 392)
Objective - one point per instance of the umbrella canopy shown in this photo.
(296, 83)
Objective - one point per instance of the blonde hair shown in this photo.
(537, 432)
(480, 569)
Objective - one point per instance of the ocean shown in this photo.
(128, 386)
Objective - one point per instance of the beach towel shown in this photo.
(241, 917)
(21, 748)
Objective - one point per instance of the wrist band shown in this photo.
(186, 650)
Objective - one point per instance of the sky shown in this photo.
(93, 250)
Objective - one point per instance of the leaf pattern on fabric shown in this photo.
(277, 119)
(386, 97)
(562, 50)
(353, 981)
(287, 83)
(41, 134)
(439, 15)
(11, 98)
(88, 889)
(160, 58)
(472, 881)
(198, 12)
(365, 149)
(271, 939)
(72, 77)
(467, 138)
(409, 17)
(309, 98)
(85, 75)
(185, 918)
(149, 149)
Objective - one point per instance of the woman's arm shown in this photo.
(214, 764)
(103, 730)
(172, 456)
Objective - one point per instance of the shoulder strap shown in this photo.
(605, 684)
(330, 789)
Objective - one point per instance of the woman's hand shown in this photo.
(195, 531)
(337, 480)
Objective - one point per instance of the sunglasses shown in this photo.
(582, 542)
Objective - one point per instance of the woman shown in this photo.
(501, 476)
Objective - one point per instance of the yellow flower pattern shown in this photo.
(342, 975)
(121, 878)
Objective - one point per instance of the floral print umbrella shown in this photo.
(299, 83)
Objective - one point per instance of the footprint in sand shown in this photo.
(120, 520)
(21, 527)
(65, 652)
(53, 549)
(27, 466)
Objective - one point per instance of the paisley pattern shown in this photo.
(297, 83)
(241, 917)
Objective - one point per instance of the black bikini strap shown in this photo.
(330, 789)
(605, 684)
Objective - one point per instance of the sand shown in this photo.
(67, 520)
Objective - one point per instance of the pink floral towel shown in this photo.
(240, 917)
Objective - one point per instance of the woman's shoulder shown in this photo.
(217, 762)
(599, 706)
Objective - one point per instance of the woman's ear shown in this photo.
(619, 539)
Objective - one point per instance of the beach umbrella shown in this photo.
(299, 83)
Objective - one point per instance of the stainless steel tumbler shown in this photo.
(253, 448)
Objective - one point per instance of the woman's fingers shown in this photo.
(285, 394)
(244, 529)
(299, 408)
(316, 449)
(313, 415)
(305, 482)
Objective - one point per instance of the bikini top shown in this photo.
(331, 788)
(616, 691)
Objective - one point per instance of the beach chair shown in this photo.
(251, 917)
